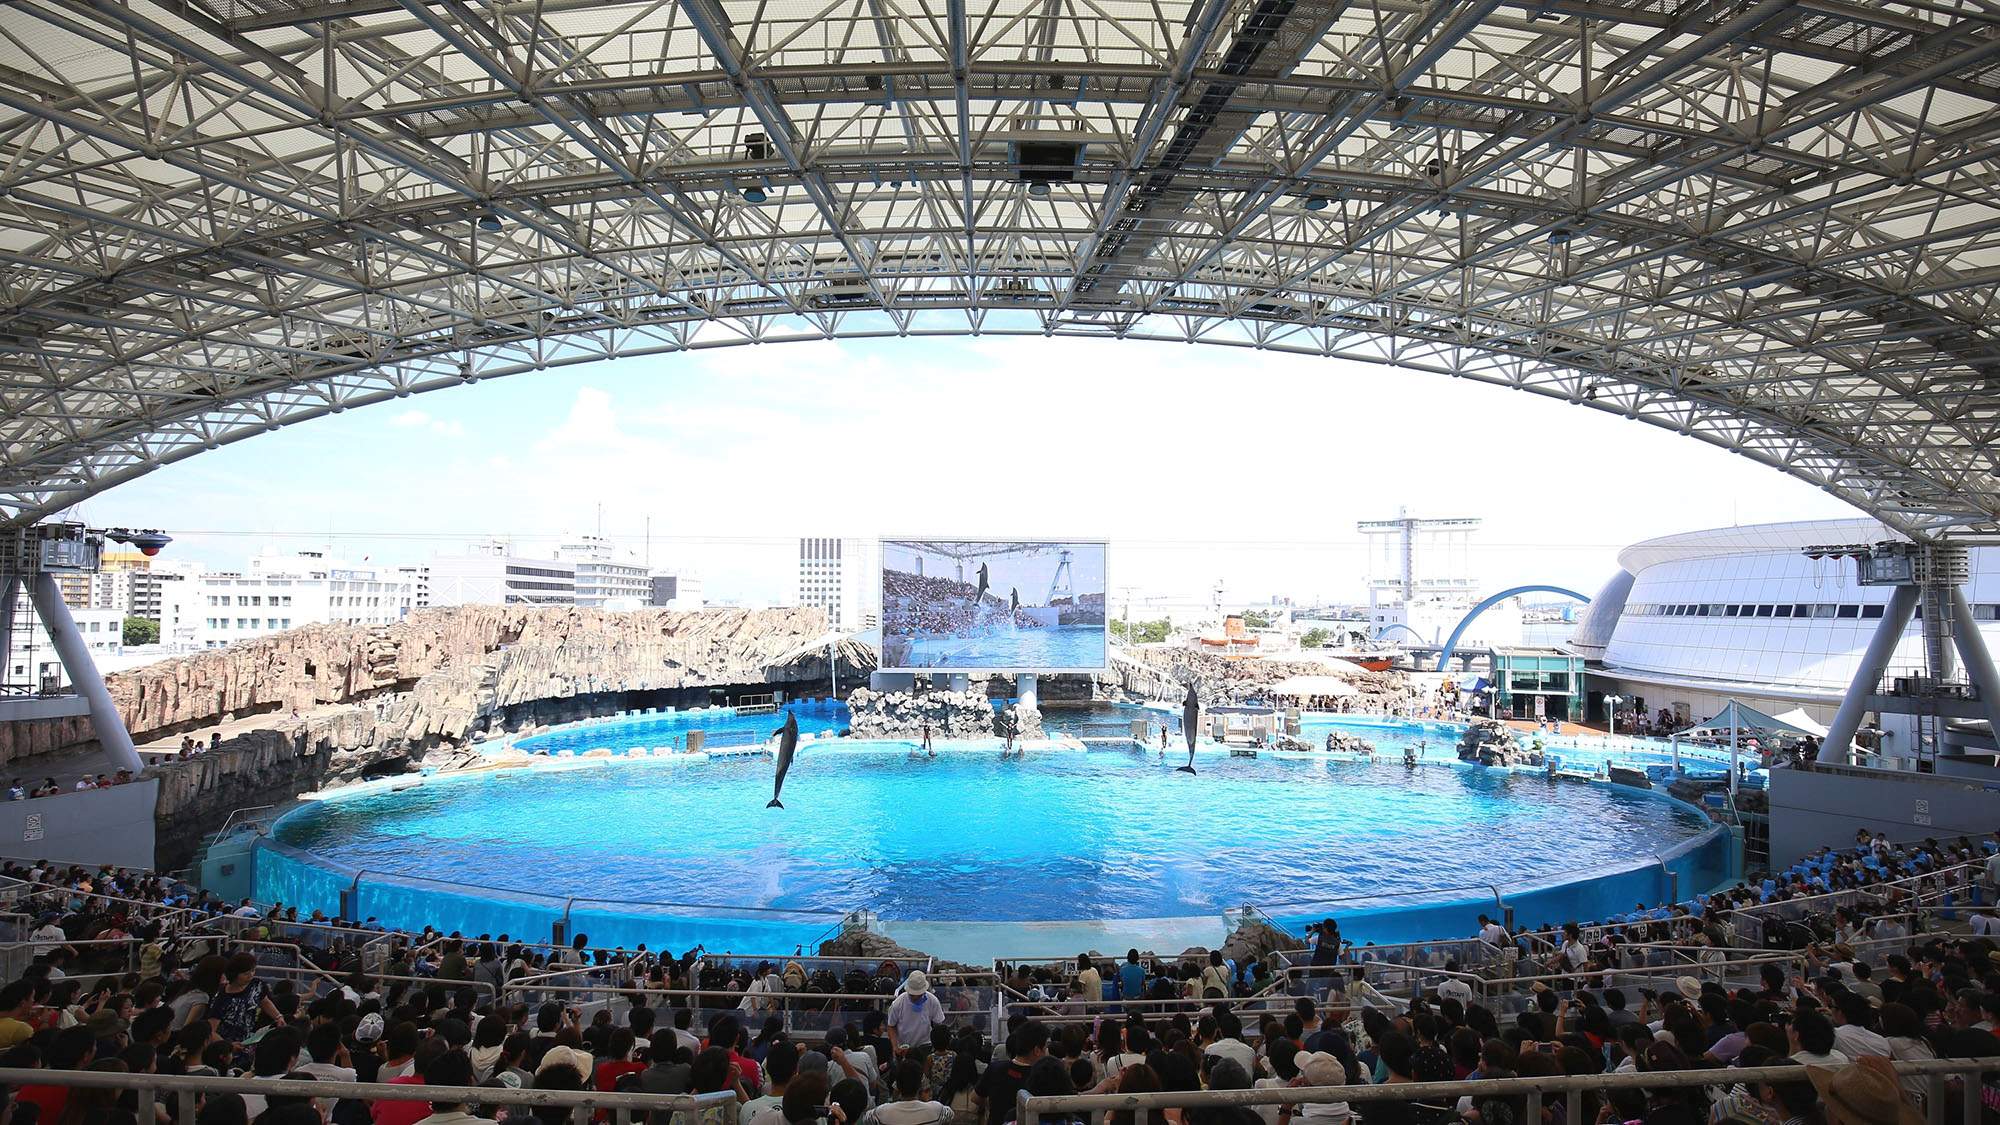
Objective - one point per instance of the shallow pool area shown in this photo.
(980, 855)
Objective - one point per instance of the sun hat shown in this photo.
(1865, 1090)
(1320, 1069)
(106, 1023)
(917, 983)
(560, 1055)
(812, 1062)
(1689, 987)
(369, 1029)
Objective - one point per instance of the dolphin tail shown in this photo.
(775, 804)
(1183, 769)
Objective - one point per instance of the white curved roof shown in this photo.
(1762, 538)
(1769, 225)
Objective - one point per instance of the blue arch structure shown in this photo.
(1451, 645)
(1395, 625)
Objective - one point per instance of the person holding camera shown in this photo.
(806, 1100)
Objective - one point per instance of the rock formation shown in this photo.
(901, 714)
(1162, 671)
(445, 674)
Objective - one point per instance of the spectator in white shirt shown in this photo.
(1852, 1034)
(910, 1106)
(913, 1013)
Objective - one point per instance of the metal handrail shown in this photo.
(581, 1103)
(1572, 1088)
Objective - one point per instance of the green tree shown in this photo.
(142, 631)
(1315, 638)
(1140, 632)
(1257, 619)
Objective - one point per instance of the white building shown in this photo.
(278, 592)
(606, 576)
(419, 578)
(844, 578)
(677, 590)
(492, 574)
(31, 658)
(1694, 620)
(131, 582)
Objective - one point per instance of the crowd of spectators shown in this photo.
(437, 1009)
(921, 605)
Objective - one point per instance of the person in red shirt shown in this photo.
(727, 1034)
(387, 1112)
(617, 1060)
(73, 1048)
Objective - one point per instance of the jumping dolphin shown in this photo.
(788, 745)
(1014, 599)
(980, 596)
(1190, 725)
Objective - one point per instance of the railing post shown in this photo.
(1934, 1103)
(1973, 1087)
(1025, 1114)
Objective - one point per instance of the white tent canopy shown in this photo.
(1797, 719)
(1742, 716)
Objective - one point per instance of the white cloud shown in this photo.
(421, 419)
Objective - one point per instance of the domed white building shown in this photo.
(1696, 619)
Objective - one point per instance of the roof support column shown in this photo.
(105, 721)
(1978, 662)
(1839, 744)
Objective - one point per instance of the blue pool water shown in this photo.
(1006, 646)
(721, 726)
(966, 837)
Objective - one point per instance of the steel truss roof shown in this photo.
(1771, 225)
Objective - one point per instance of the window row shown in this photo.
(1825, 610)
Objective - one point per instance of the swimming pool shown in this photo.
(979, 857)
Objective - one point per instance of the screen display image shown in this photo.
(992, 606)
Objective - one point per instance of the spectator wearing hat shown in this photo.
(913, 1013)
(1319, 1068)
(1866, 1093)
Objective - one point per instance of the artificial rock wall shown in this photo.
(340, 701)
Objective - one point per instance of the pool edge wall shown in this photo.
(284, 873)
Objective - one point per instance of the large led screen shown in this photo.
(1005, 606)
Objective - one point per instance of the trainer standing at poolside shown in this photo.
(913, 1013)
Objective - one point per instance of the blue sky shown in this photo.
(1199, 464)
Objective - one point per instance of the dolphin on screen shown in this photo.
(1014, 599)
(788, 745)
(1190, 724)
(980, 596)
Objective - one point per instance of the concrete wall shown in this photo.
(1811, 809)
(94, 826)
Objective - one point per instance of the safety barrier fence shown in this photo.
(1508, 996)
(802, 1013)
(187, 1091)
(1574, 1091)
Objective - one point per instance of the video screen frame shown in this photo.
(888, 658)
